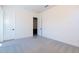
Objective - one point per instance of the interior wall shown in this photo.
(61, 23)
(24, 23)
(39, 24)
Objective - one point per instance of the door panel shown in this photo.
(9, 23)
(1, 24)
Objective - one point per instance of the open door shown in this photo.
(35, 26)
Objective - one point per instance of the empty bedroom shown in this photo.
(39, 28)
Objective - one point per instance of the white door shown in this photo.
(9, 23)
(1, 24)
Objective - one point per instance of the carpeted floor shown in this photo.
(36, 45)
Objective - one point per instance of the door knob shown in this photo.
(13, 29)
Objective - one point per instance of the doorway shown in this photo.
(35, 22)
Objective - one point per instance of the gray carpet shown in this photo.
(37, 45)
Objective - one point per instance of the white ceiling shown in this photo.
(37, 8)
(34, 8)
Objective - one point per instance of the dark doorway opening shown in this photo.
(35, 26)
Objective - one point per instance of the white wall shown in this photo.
(24, 23)
(61, 23)
(39, 25)
(1, 24)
